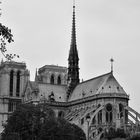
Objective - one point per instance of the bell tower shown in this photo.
(13, 78)
(73, 59)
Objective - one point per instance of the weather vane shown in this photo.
(111, 60)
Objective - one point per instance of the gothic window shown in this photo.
(121, 110)
(109, 115)
(59, 80)
(52, 79)
(18, 84)
(11, 82)
(100, 117)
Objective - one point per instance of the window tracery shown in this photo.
(109, 113)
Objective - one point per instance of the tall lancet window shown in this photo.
(52, 79)
(11, 82)
(109, 113)
(59, 80)
(18, 84)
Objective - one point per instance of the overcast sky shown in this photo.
(105, 29)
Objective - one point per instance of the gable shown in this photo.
(111, 86)
(31, 91)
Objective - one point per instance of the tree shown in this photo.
(25, 121)
(135, 137)
(60, 129)
(6, 37)
(39, 122)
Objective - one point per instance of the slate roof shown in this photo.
(102, 84)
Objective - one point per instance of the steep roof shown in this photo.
(59, 91)
(99, 85)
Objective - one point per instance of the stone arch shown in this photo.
(96, 112)
(11, 82)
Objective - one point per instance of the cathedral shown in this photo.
(97, 105)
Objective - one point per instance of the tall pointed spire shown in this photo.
(73, 37)
(73, 59)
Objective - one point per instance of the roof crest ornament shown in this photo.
(112, 60)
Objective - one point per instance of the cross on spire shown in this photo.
(111, 60)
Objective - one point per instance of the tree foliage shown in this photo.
(135, 137)
(6, 37)
(60, 129)
(40, 123)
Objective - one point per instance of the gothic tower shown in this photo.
(13, 78)
(73, 60)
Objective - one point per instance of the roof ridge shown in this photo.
(95, 78)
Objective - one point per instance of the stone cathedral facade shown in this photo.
(96, 105)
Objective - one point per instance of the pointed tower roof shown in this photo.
(73, 53)
(73, 59)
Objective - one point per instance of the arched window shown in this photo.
(11, 82)
(121, 110)
(100, 117)
(59, 80)
(52, 79)
(18, 84)
(109, 115)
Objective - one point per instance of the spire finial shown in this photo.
(111, 60)
(74, 4)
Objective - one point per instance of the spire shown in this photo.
(73, 59)
(73, 48)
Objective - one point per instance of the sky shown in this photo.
(104, 28)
